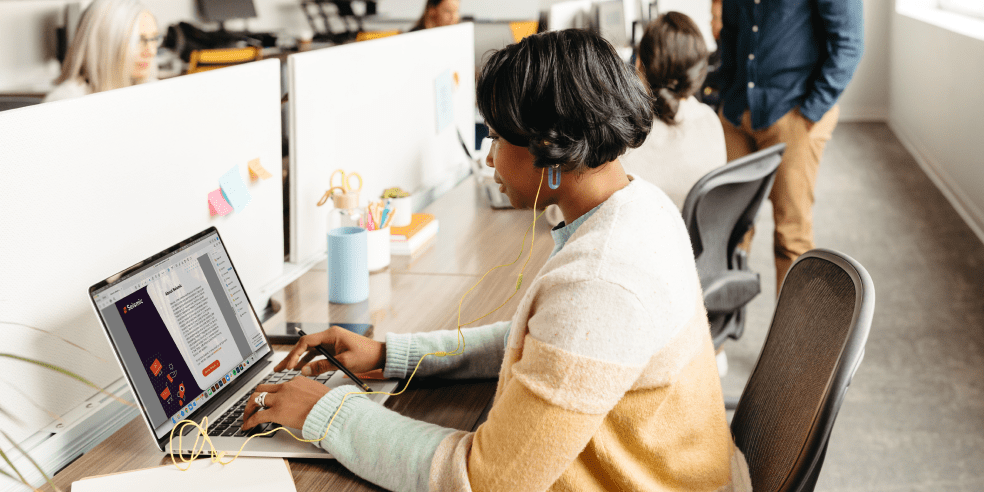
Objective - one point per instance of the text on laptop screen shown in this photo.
(183, 328)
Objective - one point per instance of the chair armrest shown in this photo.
(730, 290)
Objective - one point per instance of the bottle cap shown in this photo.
(346, 201)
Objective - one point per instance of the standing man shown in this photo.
(784, 63)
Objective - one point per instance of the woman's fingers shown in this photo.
(318, 367)
(303, 345)
(251, 405)
(288, 405)
(308, 357)
(352, 350)
(261, 417)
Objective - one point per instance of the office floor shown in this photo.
(913, 419)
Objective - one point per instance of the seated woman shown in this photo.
(606, 371)
(438, 13)
(114, 46)
(687, 140)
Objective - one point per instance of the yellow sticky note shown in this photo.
(256, 171)
(521, 29)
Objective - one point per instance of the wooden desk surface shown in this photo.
(419, 294)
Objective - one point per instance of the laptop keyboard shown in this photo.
(230, 423)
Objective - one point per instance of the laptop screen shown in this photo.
(182, 326)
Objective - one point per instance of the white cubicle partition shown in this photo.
(370, 108)
(90, 186)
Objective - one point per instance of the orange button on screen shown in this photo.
(211, 367)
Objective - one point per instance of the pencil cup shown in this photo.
(348, 269)
(378, 249)
(403, 211)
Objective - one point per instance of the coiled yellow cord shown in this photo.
(216, 457)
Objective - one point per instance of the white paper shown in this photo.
(260, 474)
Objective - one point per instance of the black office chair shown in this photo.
(718, 211)
(815, 344)
(14, 102)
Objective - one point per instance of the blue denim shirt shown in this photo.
(780, 54)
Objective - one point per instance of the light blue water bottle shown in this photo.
(348, 265)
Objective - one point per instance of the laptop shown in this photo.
(191, 346)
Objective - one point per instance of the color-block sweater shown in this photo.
(607, 378)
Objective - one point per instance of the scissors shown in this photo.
(344, 187)
(346, 183)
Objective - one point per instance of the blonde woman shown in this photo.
(114, 46)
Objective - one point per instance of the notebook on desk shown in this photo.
(191, 346)
(266, 474)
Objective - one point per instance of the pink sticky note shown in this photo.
(217, 205)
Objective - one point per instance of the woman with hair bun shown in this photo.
(687, 140)
(606, 372)
(115, 46)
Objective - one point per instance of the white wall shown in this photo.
(866, 97)
(937, 105)
(480, 9)
(27, 55)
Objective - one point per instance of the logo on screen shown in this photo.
(129, 307)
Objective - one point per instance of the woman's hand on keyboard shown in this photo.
(358, 353)
(287, 404)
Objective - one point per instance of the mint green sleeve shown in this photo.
(485, 346)
(382, 446)
(374, 442)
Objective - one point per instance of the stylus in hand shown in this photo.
(339, 365)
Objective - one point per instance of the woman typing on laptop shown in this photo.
(607, 377)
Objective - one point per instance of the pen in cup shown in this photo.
(339, 365)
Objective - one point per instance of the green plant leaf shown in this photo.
(46, 332)
(68, 373)
(12, 467)
(7, 475)
(35, 463)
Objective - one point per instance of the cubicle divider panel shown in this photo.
(90, 186)
(388, 109)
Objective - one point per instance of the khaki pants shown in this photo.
(792, 193)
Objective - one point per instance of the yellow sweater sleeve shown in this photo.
(528, 442)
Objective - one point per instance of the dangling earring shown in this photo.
(553, 176)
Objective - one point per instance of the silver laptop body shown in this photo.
(191, 346)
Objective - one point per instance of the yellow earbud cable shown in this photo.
(216, 457)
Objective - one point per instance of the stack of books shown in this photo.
(408, 240)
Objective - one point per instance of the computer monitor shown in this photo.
(572, 14)
(223, 10)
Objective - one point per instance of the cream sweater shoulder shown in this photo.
(631, 260)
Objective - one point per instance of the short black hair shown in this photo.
(567, 97)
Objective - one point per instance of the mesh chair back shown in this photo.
(816, 342)
(722, 206)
